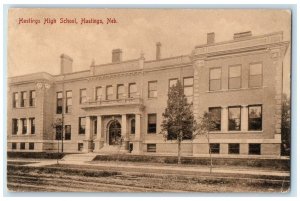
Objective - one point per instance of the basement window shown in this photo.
(254, 149)
(151, 147)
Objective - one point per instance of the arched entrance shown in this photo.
(114, 133)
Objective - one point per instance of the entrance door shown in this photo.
(115, 133)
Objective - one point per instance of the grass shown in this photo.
(273, 164)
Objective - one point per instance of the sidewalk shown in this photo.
(148, 168)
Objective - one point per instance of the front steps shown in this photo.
(108, 149)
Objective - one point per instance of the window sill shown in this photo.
(26, 107)
(238, 89)
(237, 132)
(152, 98)
(151, 133)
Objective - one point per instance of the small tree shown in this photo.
(286, 125)
(178, 119)
(205, 125)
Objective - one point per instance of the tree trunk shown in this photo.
(179, 152)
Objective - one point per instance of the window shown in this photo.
(95, 126)
(132, 126)
(22, 145)
(234, 77)
(24, 126)
(23, 98)
(31, 146)
(152, 89)
(132, 90)
(67, 132)
(80, 146)
(254, 149)
(255, 75)
(233, 148)
(32, 98)
(109, 93)
(188, 87)
(214, 148)
(120, 91)
(68, 101)
(83, 97)
(59, 102)
(234, 118)
(15, 100)
(151, 147)
(32, 124)
(81, 125)
(255, 117)
(14, 126)
(151, 123)
(98, 93)
(215, 79)
(215, 116)
(13, 145)
(58, 130)
(173, 82)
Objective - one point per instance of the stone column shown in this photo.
(28, 131)
(88, 135)
(224, 119)
(124, 134)
(19, 132)
(137, 145)
(99, 142)
(244, 120)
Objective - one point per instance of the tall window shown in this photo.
(214, 148)
(98, 93)
(132, 90)
(67, 132)
(234, 118)
(173, 82)
(255, 117)
(234, 77)
(13, 145)
(83, 98)
(109, 93)
(32, 124)
(59, 102)
(120, 91)
(151, 123)
(215, 116)
(14, 126)
(24, 126)
(233, 148)
(22, 145)
(215, 79)
(58, 132)
(32, 98)
(81, 125)
(255, 75)
(15, 99)
(23, 98)
(254, 149)
(188, 87)
(31, 146)
(132, 126)
(68, 101)
(152, 89)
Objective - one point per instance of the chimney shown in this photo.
(242, 35)
(65, 64)
(210, 38)
(158, 53)
(117, 55)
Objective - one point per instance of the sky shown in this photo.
(37, 47)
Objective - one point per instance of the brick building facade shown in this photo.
(118, 106)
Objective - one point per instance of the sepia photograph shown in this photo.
(148, 100)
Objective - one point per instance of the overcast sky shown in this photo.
(37, 47)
